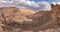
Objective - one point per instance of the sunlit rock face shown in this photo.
(12, 16)
(13, 13)
(27, 12)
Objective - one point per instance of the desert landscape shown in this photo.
(13, 19)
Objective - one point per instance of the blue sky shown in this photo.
(50, 1)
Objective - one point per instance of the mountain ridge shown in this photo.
(13, 18)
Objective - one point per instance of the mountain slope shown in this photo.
(14, 19)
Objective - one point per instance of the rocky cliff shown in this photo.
(13, 19)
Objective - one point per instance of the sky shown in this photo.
(50, 1)
(30, 4)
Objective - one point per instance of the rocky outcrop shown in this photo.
(15, 20)
(56, 9)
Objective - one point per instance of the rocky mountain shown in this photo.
(13, 19)
(10, 15)
(56, 9)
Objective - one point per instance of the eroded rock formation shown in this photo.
(13, 19)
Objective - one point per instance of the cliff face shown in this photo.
(56, 9)
(13, 19)
(15, 14)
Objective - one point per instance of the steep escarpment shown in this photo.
(56, 9)
(13, 19)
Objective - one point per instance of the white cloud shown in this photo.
(5, 3)
(44, 6)
(35, 6)
(56, 3)
(27, 4)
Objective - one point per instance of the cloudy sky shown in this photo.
(50, 1)
(30, 4)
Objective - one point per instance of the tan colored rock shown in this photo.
(15, 14)
(35, 20)
(56, 9)
(43, 17)
(1, 29)
(27, 12)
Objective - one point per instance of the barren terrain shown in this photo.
(13, 19)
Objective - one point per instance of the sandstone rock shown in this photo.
(56, 8)
(42, 17)
(15, 14)
(25, 19)
(26, 12)
(13, 17)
